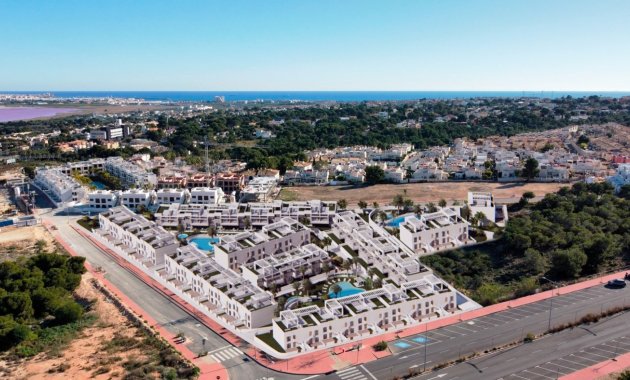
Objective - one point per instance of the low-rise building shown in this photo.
(135, 198)
(170, 196)
(230, 182)
(429, 233)
(206, 195)
(130, 175)
(236, 250)
(59, 187)
(103, 199)
(483, 203)
(259, 189)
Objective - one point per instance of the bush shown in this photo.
(529, 338)
(380, 346)
(69, 311)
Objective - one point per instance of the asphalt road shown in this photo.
(550, 357)
(163, 310)
(459, 340)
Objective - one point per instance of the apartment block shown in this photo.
(59, 187)
(135, 198)
(355, 317)
(170, 196)
(433, 232)
(206, 195)
(103, 199)
(129, 174)
(259, 189)
(236, 250)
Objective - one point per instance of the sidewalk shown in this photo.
(339, 357)
(207, 370)
(601, 370)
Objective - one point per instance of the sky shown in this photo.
(316, 45)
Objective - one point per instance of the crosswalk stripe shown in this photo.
(357, 377)
(346, 370)
(221, 355)
(350, 373)
(215, 358)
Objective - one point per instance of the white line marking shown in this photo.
(368, 372)
(219, 349)
(346, 370)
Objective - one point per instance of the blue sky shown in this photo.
(532, 45)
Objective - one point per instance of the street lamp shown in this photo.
(555, 285)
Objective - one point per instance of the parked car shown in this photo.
(616, 283)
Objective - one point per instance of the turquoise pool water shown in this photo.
(396, 221)
(204, 242)
(98, 185)
(347, 289)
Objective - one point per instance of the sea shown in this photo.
(315, 96)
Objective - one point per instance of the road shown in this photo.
(548, 358)
(461, 339)
(162, 309)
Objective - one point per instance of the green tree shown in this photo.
(530, 169)
(362, 205)
(342, 204)
(374, 174)
(69, 311)
(534, 262)
(568, 263)
(398, 201)
(18, 305)
(442, 203)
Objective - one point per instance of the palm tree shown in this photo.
(362, 205)
(307, 285)
(247, 223)
(355, 261)
(408, 204)
(417, 209)
(273, 288)
(398, 201)
(336, 289)
(375, 205)
(478, 217)
(327, 241)
(346, 264)
(211, 231)
(326, 268)
(442, 203)
(296, 287)
(431, 207)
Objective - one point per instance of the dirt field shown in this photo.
(86, 356)
(16, 242)
(418, 192)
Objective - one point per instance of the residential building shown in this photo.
(135, 198)
(483, 203)
(432, 232)
(230, 182)
(59, 187)
(206, 195)
(103, 199)
(259, 189)
(236, 250)
(129, 174)
(170, 196)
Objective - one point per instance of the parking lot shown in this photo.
(575, 361)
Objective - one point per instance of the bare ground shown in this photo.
(20, 241)
(87, 355)
(418, 192)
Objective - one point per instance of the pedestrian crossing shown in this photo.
(226, 354)
(351, 374)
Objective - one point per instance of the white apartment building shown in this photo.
(227, 215)
(287, 267)
(434, 232)
(136, 236)
(170, 196)
(314, 212)
(259, 189)
(60, 188)
(377, 248)
(83, 167)
(306, 177)
(188, 272)
(236, 250)
(355, 317)
(103, 199)
(206, 195)
(484, 203)
(129, 174)
(217, 291)
(136, 197)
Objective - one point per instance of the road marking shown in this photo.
(368, 372)
(454, 332)
(520, 377)
(346, 370)
(310, 377)
(560, 365)
(573, 363)
(219, 349)
(601, 349)
(594, 354)
(587, 359)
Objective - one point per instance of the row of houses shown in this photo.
(134, 198)
(212, 288)
(233, 215)
(58, 186)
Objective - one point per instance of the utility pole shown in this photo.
(426, 338)
(555, 285)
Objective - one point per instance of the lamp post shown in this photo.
(555, 285)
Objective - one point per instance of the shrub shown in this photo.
(529, 338)
(380, 346)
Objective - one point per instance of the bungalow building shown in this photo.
(429, 233)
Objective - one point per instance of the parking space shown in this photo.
(575, 361)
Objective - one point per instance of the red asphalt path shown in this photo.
(207, 370)
(342, 356)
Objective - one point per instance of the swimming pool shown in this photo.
(395, 222)
(347, 289)
(204, 242)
